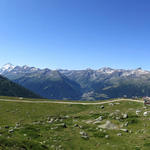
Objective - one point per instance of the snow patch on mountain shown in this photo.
(7, 67)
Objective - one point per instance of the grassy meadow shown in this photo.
(33, 126)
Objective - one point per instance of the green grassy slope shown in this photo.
(8, 88)
(57, 126)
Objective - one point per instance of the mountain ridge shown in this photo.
(9, 88)
(88, 84)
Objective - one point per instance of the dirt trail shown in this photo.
(75, 103)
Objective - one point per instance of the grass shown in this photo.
(35, 132)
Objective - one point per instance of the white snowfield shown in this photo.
(74, 103)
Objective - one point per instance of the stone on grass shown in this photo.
(126, 124)
(111, 104)
(63, 125)
(50, 121)
(118, 118)
(125, 116)
(84, 135)
(7, 127)
(137, 112)
(117, 103)
(81, 127)
(99, 118)
(119, 134)
(124, 130)
(102, 107)
(106, 136)
(145, 113)
(18, 125)
(11, 131)
(76, 125)
(108, 125)
(130, 131)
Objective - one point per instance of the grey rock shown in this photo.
(106, 136)
(118, 118)
(99, 118)
(108, 125)
(76, 125)
(145, 113)
(138, 112)
(50, 121)
(125, 116)
(117, 103)
(111, 104)
(130, 131)
(84, 135)
(63, 125)
(80, 127)
(11, 131)
(102, 107)
(7, 127)
(124, 130)
(126, 124)
(119, 134)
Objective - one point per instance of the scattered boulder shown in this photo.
(138, 112)
(125, 116)
(106, 136)
(124, 130)
(84, 135)
(7, 127)
(76, 125)
(145, 114)
(108, 125)
(66, 117)
(18, 125)
(80, 127)
(126, 124)
(64, 125)
(102, 107)
(117, 110)
(118, 118)
(117, 103)
(119, 134)
(111, 115)
(11, 131)
(130, 131)
(111, 104)
(50, 121)
(99, 118)
(89, 121)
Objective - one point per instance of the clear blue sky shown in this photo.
(75, 34)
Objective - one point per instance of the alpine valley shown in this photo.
(104, 83)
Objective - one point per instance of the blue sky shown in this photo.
(75, 34)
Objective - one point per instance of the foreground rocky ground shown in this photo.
(114, 126)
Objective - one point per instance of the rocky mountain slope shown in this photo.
(86, 84)
(9, 88)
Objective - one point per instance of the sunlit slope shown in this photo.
(116, 125)
(8, 88)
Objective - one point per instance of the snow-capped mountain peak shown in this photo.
(7, 67)
(106, 70)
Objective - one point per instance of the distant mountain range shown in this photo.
(8, 88)
(104, 83)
